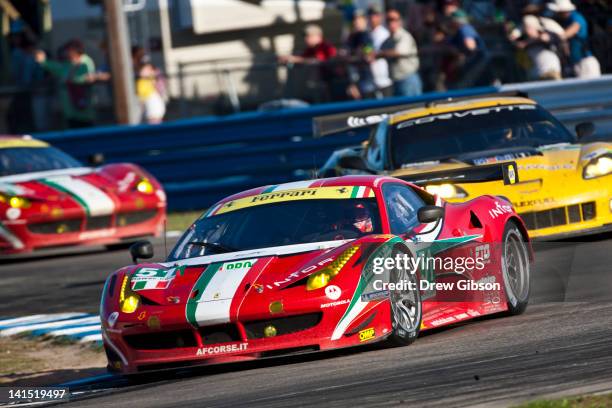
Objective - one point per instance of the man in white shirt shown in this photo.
(402, 55)
(379, 67)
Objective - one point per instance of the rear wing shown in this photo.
(345, 121)
(506, 171)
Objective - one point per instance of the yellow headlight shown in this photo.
(318, 280)
(19, 202)
(127, 299)
(446, 191)
(598, 167)
(321, 279)
(130, 304)
(145, 186)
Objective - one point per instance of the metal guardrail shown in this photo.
(201, 160)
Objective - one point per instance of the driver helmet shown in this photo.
(361, 218)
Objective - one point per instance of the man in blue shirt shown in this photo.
(585, 65)
(473, 56)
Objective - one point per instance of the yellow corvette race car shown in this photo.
(565, 183)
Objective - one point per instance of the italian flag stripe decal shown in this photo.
(361, 192)
(94, 201)
(65, 190)
(198, 291)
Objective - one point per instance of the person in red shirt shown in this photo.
(317, 51)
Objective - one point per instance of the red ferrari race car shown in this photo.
(49, 199)
(294, 268)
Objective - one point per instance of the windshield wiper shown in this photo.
(219, 248)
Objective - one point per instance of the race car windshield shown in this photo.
(500, 129)
(20, 160)
(278, 224)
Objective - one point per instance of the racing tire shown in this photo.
(406, 306)
(515, 269)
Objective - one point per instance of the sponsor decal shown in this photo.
(511, 174)
(547, 167)
(462, 114)
(227, 348)
(367, 334)
(315, 193)
(537, 201)
(112, 319)
(333, 292)
(356, 121)
(124, 184)
(500, 209)
(297, 275)
(483, 252)
(500, 158)
(376, 295)
(441, 321)
(336, 303)
(153, 278)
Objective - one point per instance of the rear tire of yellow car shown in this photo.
(406, 306)
(515, 269)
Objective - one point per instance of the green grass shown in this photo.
(179, 221)
(585, 401)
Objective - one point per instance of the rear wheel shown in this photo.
(406, 308)
(515, 269)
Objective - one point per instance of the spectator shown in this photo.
(360, 51)
(321, 52)
(75, 74)
(472, 56)
(401, 52)
(584, 64)
(380, 67)
(540, 45)
(151, 97)
(25, 74)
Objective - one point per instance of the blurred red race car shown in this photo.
(49, 199)
(293, 268)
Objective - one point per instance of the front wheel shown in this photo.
(515, 269)
(406, 307)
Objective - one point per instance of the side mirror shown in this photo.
(354, 163)
(141, 250)
(430, 213)
(585, 129)
(96, 159)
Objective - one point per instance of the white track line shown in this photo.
(74, 330)
(40, 318)
(21, 329)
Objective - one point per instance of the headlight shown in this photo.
(600, 166)
(130, 304)
(145, 186)
(128, 301)
(320, 279)
(14, 201)
(446, 191)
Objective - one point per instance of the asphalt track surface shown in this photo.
(561, 346)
